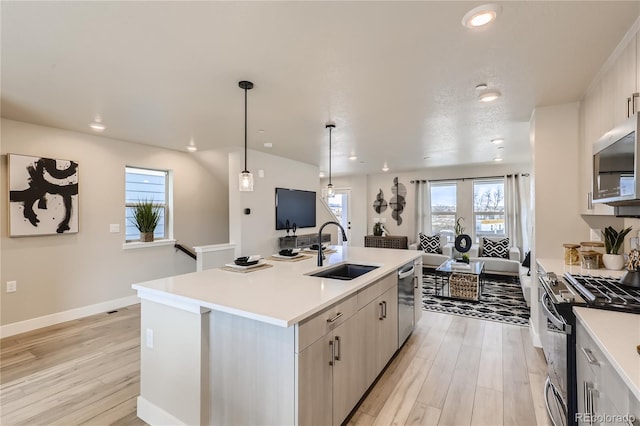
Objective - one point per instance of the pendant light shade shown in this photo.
(246, 178)
(330, 191)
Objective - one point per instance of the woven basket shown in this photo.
(464, 286)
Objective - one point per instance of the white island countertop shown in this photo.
(617, 334)
(281, 295)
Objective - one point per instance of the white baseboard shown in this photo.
(535, 337)
(58, 317)
(155, 415)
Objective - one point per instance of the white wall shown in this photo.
(256, 233)
(59, 273)
(556, 177)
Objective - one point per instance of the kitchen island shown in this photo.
(272, 346)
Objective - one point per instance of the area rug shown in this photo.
(501, 301)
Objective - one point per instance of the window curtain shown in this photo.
(420, 214)
(517, 211)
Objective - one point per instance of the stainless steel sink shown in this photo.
(345, 271)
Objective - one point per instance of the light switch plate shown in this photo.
(114, 228)
(594, 235)
(12, 286)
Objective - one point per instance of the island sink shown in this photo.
(345, 271)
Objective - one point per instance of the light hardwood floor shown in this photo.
(452, 371)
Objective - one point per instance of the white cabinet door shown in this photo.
(315, 383)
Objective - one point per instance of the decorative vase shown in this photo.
(377, 229)
(146, 237)
(614, 262)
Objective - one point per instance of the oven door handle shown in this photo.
(548, 385)
(557, 322)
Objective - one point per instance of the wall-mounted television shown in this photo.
(295, 206)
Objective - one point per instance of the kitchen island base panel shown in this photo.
(174, 356)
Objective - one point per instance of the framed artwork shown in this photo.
(43, 196)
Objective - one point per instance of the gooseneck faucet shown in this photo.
(344, 238)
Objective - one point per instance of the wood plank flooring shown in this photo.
(452, 371)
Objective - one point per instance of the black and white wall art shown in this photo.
(43, 196)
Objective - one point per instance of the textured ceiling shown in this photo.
(398, 78)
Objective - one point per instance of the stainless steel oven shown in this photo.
(558, 343)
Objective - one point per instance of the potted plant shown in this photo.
(146, 216)
(612, 242)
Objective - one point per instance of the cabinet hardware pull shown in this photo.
(332, 354)
(338, 315)
(628, 107)
(633, 102)
(384, 306)
(590, 200)
(337, 346)
(381, 316)
(590, 358)
(415, 279)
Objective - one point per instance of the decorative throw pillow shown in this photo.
(495, 248)
(430, 244)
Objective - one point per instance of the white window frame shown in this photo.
(502, 213)
(431, 212)
(167, 206)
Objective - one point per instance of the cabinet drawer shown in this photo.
(311, 329)
(368, 294)
(589, 352)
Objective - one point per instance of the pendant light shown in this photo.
(245, 178)
(330, 191)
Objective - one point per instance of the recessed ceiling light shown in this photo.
(268, 145)
(353, 157)
(321, 174)
(385, 168)
(497, 159)
(97, 126)
(481, 15)
(497, 140)
(481, 86)
(489, 96)
(192, 148)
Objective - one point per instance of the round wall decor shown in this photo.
(463, 243)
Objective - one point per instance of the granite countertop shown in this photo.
(282, 294)
(617, 334)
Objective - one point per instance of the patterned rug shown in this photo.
(501, 301)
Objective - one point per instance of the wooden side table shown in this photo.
(390, 241)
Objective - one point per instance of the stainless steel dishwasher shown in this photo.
(406, 301)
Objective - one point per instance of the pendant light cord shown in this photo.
(245, 129)
(330, 155)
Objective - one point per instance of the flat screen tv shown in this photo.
(294, 206)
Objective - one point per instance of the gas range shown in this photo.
(605, 292)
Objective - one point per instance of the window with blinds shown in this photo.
(146, 185)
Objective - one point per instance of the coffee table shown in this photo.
(461, 282)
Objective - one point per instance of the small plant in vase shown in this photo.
(612, 242)
(146, 216)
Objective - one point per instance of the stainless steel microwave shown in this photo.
(615, 165)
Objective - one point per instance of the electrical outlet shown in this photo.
(114, 228)
(149, 338)
(12, 286)
(594, 235)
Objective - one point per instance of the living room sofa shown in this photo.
(433, 260)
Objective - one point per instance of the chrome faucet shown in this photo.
(344, 238)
